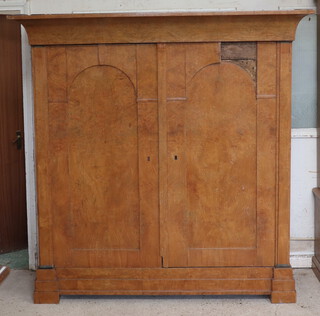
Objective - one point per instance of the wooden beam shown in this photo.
(160, 28)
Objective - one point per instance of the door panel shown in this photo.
(104, 158)
(221, 147)
(13, 212)
(221, 160)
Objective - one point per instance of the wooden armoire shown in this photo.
(163, 153)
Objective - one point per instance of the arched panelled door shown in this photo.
(220, 201)
(169, 152)
(103, 111)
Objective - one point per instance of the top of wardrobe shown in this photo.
(160, 27)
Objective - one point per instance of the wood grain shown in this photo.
(147, 73)
(80, 58)
(175, 71)
(163, 163)
(122, 57)
(267, 70)
(184, 281)
(89, 29)
(237, 51)
(267, 130)
(159, 273)
(283, 286)
(243, 54)
(102, 140)
(164, 155)
(200, 55)
(46, 298)
(216, 150)
(46, 287)
(284, 92)
(180, 286)
(102, 228)
(248, 65)
(57, 74)
(201, 216)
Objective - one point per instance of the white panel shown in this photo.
(13, 2)
(13, 6)
(304, 132)
(303, 180)
(29, 151)
(259, 5)
(70, 6)
(185, 5)
(287, 4)
(301, 253)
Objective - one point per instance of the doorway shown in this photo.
(13, 214)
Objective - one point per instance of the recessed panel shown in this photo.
(221, 158)
(103, 160)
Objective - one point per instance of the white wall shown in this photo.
(70, 6)
(304, 60)
(303, 179)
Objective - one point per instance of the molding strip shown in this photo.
(305, 133)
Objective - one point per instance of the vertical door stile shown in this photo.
(266, 151)
(284, 142)
(163, 163)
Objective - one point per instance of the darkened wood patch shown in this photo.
(243, 54)
(249, 65)
(240, 50)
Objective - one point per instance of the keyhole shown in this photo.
(175, 157)
(148, 158)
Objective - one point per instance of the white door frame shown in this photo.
(22, 7)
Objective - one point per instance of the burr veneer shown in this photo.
(163, 153)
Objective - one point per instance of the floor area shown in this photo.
(15, 260)
(16, 299)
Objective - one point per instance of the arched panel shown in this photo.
(221, 160)
(217, 184)
(103, 159)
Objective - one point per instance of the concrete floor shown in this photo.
(16, 299)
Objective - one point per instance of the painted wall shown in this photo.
(304, 74)
(63, 6)
(303, 180)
